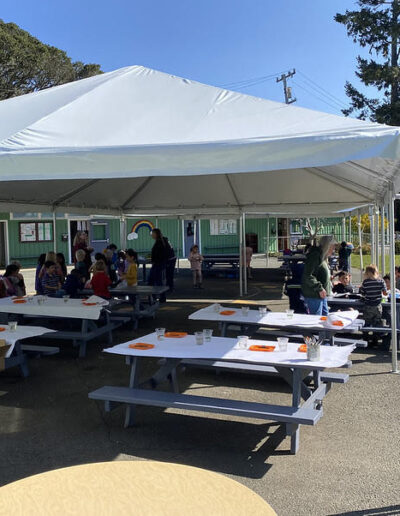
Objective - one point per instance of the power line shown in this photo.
(335, 107)
(256, 80)
(333, 97)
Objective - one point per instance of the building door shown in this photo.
(190, 235)
(283, 234)
(76, 226)
(3, 245)
(99, 235)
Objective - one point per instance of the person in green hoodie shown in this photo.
(316, 280)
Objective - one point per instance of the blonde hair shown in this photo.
(371, 272)
(51, 257)
(325, 242)
(77, 237)
(80, 255)
(99, 266)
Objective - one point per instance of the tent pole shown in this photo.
(372, 234)
(383, 264)
(360, 244)
(244, 254)
(54, 230)
(350, 240)
(240, 260)
(377, 236)
(267, 250)
(344, 228)
(178, 245)
(393, 280)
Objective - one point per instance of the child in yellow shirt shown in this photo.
(130, 274)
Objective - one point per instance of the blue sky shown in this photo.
(212, 41)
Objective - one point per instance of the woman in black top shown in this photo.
(159, 258)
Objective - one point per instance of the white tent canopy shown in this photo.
(138, 140)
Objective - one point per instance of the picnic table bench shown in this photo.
(292, 366)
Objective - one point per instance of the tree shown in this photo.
(27, 64)
(312, 231)
(365, 222)
(375, 26)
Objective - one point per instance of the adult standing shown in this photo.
(81, 242)
(159, 258)
(316, 280)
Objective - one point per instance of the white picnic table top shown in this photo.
(52, 307)
(276, 319)
(22, 332)
(222, 348)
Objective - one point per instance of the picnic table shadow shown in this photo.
(390, 510)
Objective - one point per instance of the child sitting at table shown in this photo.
(73, 283)
(196, 259)
(372, 289)
(51, 280)
(100, 280)
(38, 278)
(130, 276)
(344, 285)
(80, 265)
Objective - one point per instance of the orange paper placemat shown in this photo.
(141, 345)
(227, 312)
(261, 347)
(2, 329)
(337, 323)
(323, 318)
(175, 334)
(89, 304)
(19, 301)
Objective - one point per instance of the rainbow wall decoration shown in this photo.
(134, 234)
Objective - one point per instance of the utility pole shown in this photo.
(287, 90)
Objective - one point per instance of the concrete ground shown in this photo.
(348, 464)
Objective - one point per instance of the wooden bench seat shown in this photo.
(204, 404)
(40, 350)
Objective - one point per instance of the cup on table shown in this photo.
(40, 300)
(262, 310)
(199, 336)
(160, 332)
(245, 311)
(217, 307)
(289, 313)
(207, 333)
(12, 325)
(65, 298)
(282, 343)
(242, 342)
(30, 299)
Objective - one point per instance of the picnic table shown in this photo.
(221, 262)
(292, 366)
(12, 355)
(134, 295)
(143, 261)
(293, 258)
(279, 320)
(72, 309)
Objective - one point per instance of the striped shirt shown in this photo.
(50, 281)
(371, 290)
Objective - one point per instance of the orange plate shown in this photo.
(2, 329)
(175, 334)
(260, 347)
(19, 301)
(323, 318)
(89, 304)
(141, 345)
(337, 323)
(228, 312)
(303, 348)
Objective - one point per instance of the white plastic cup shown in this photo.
(245, 311)
(66, 298)
(290, 313)
(242, 342)
(217, 307)
(199, 336)
(282, 343)
(12, 325)
(262, 311)
(160, 332)
(207, 333)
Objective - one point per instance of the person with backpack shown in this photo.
(159, 257)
